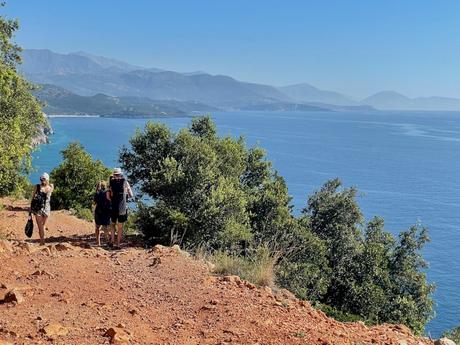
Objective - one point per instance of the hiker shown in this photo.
(120, 191)
(101, 211)
(40, 204)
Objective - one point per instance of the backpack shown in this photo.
(117, 186)
(39, 200)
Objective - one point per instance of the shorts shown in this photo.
(120, 218)
(102, 219)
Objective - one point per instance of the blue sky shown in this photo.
(357, 47)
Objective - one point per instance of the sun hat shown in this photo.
(117, 171)
(45, 176)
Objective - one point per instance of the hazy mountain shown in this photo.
(284, 106)
(108, 63)
(308, 93)
(391, 100)
(87, 75)
(46, 62)
(60, 101)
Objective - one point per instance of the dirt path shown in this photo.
(74, 293)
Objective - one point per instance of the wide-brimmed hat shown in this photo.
(117, 171)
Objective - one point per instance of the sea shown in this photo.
(406, 166)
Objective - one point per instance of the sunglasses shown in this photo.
(42, 179)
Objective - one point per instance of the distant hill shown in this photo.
(87, 75)
(285, 106)
(46, 62)
(391, 100)
(60, 101)
(308, 93)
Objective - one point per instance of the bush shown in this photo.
(372, 274)
(76, 178)
(453, 334)
(338, 314)
(204, 188)
(83, 213)
(258, 269)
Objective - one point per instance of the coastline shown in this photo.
(54, 116)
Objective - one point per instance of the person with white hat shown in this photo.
(120, 191)
(40, 204)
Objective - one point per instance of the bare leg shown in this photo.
(98, 235)
(120, 232)
(41, 220)
(104, 230)
(112, 232)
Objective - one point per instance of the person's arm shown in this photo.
(129, 190)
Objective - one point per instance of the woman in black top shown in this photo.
(102, 210)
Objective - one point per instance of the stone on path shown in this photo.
(54, 330)
(13, 296)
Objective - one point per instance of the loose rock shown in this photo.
(444, 341)
(60, 247)
(118, 335)
(54, 330)
(5, 246)
(13, 296)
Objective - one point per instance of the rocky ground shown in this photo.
(71, 292)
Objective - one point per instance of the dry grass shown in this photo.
(258, 269)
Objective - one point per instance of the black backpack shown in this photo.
(117, 186)
(39, 200)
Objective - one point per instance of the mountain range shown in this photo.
(59, 101)
(86, 75)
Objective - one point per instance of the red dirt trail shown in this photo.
(71, 292)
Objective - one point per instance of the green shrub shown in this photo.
(338, 315)
(76, 178)
(130, 227)
(204, 189)
(453, 334)
(83, 213)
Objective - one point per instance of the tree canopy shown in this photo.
(76, 178)
(203, 188)
(20, 114)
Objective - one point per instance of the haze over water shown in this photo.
(406, 164)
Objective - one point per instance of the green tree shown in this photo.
(334, 216)
(75, 179)
(20, 114)
(212, 190)
(193, 178)
(373, 275)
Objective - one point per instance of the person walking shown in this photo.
(119, 192)
(40, 204)
(101, 211)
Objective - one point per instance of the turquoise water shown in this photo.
(405, 164)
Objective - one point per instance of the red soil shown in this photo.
(148, 296)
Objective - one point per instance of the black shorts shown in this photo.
(120, 218)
